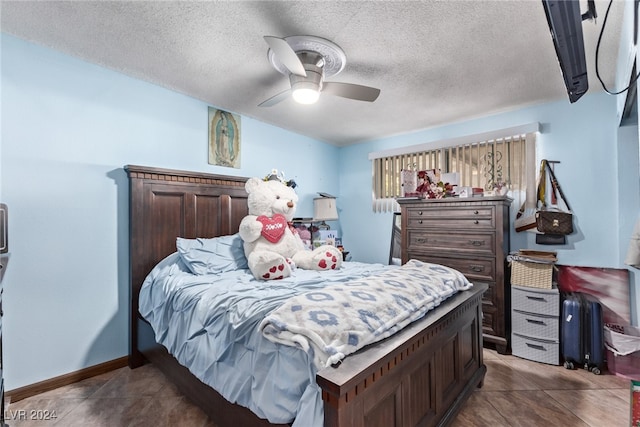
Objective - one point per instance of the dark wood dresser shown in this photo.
(472, 236)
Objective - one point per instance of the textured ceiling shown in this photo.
(435, 62)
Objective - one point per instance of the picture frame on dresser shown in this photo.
(472, 236)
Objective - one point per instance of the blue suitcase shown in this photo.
(582, 332)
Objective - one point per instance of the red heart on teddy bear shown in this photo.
(273, 228)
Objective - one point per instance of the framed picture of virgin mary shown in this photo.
(224, 138)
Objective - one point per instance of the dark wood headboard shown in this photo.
(165, 204)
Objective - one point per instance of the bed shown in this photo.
(421, 375)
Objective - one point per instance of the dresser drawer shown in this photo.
(536, 301)
(472, 268)
(452, 223)
(446, 213)
(545, 351)
(437, 241)
(534, 325)
(481, 217)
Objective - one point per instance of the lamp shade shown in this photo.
(324, 209)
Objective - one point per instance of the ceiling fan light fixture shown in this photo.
(305, 92)
(307, 60)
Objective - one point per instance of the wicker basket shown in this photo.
(533, 274)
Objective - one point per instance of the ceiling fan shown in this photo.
(307, 60)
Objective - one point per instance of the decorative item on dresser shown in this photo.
(472, 236)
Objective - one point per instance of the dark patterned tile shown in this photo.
(594, 406)
(512, 395)
(103, 412)
(176, 411)
(146, 380)
(552, 377)
(489, 354)
(533, 409)
(479, 412)
(502, 377)
(604, 380)
(622, 393)
(39, 411)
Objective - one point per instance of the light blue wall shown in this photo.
(582, 136)
(598, 172)
(68, 128)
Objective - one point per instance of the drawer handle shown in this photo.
(535, 298)
(419, 221)
(536, 346)
(419, 212)
(476, 242)
(477, 268)
(421, 240)
(476, 222)
(475, 212)
(537, 322)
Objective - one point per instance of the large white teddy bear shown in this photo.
(272, 246)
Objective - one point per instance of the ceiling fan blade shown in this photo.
(276, 99)
(285, 54)
(351, 91)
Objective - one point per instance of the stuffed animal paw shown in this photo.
(326, 260)
(323, 258)
(270, 265)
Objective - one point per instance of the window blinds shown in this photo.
(480, 164)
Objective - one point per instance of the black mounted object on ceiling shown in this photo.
(565, 23)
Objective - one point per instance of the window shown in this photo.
(481, 161)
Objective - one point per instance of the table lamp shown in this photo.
(324, 209)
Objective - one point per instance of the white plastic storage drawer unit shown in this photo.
(535, 324)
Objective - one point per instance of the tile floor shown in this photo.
(516, 392)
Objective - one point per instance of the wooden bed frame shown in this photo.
(422, 375)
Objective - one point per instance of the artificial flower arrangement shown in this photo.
(429, 185)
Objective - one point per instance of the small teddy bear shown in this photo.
(271, 244)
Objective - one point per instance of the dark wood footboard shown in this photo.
(420, 376)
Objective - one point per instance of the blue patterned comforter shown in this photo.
(211, 324)
(334, 322)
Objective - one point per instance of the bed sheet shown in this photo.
(210, 324)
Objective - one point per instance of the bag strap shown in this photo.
(540, 193)
(556, 186)
(542, 185)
